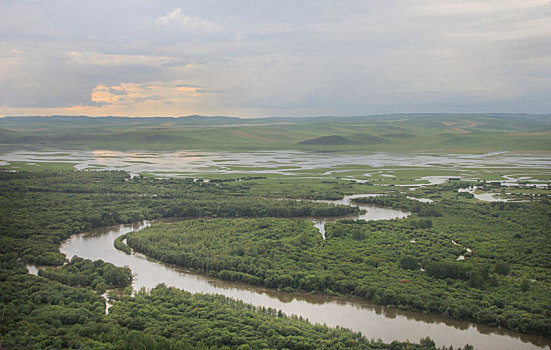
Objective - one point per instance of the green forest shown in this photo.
(41, 313)
(235, 231)
(98, 275)
(42, 209)
(63, 308)
(408, 263)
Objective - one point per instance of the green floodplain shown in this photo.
(456, 256)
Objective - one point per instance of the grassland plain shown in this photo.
(396, 133)
(32, 166)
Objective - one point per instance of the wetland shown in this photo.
(355, 226)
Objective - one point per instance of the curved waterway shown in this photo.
(373, 321)
(372, 212)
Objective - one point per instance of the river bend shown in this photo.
(374, 321)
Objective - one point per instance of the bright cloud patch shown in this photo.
(195, 24)
(136, 93)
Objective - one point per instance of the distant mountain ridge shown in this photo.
(200, 119)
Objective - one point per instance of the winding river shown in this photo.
(374, 321)
(371, 212)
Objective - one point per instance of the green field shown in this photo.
(460, 133)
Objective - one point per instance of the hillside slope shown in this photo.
(463, 133)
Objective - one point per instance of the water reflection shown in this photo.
(186, 163)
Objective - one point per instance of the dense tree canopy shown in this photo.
(41, 313)
(41, 209)
(97, 275)
(389, 262)
(259, 239)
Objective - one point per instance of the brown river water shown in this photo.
(373, 321)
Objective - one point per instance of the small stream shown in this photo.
(372, 212)
(486, 197)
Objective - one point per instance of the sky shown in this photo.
(261, 58)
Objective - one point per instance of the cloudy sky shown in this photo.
(273, 58)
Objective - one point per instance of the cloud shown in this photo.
(100, 59)
(187, 86)
(130, 93)
(131, 99)
(478, 7)
(115, 91)
(148, 98)
(260, 58)
(192, 23)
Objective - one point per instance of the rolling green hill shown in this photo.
(463, 133)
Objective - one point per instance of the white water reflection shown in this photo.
(422, 200)
(186, 163)
(486, 197)
(33, 270)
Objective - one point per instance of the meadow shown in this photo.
(458, 133)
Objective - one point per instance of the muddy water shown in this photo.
(372, 320)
